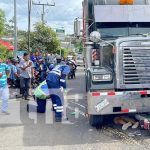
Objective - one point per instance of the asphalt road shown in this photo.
(23, 131)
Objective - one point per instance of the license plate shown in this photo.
(101, 105)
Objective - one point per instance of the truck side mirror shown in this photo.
(95, 36)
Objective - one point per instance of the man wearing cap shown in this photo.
(27, 72)
(4, 91)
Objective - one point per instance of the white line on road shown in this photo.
(80, 112)
(78, 104)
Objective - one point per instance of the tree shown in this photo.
(2, 22)
(44, 38)
(22, 40)
(64, 52)
(79, 46)
(4, 53)
(9, 27)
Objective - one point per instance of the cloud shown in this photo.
(62, 15)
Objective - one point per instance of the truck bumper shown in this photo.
(104, 103)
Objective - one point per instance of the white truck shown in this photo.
(118, 66)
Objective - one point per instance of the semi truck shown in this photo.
(117, 70)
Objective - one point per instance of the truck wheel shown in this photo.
(96, 120)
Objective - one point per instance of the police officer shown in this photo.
(51, 67)
(56, 80)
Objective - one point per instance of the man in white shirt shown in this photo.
(27, 72)
(51, 58)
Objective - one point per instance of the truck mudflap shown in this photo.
(103, 103)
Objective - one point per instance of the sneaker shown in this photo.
(126, 126)
(136, 125)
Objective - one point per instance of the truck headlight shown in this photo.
(107, 77)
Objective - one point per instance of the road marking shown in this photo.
(80, 112)
(78, 104)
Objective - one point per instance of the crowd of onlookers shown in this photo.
(40, 63)
(37, 67)
(31, 70)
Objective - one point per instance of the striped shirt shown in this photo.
(3, 79)
(13, 70)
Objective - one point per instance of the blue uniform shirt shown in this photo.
(57, 77)
(3, 79)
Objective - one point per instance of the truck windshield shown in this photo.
(118, 29)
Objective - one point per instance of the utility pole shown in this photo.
(15, 28)
(29, 23)
(43, 13)
(43, 9)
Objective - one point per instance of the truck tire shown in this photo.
(96, 120)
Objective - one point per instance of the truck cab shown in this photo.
(117, 67)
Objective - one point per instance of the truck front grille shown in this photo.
(136, 65)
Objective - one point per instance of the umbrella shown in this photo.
(7, 45)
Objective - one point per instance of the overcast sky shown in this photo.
(62, 15)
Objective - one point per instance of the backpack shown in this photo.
(42, 91)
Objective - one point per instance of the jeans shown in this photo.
(4, 96)
(24, 86)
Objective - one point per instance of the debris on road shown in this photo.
(133, 134)
(73, 113)
(126, 122)
(144, 121)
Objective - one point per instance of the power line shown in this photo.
(43, 8)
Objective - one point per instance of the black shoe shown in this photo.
(58, 119)
(26, 98)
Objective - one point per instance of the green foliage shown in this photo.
(43, 38)
(2, 22)
(4, 53)
(64, 52)
(22, 40)
(79, 46)
(9, 28)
